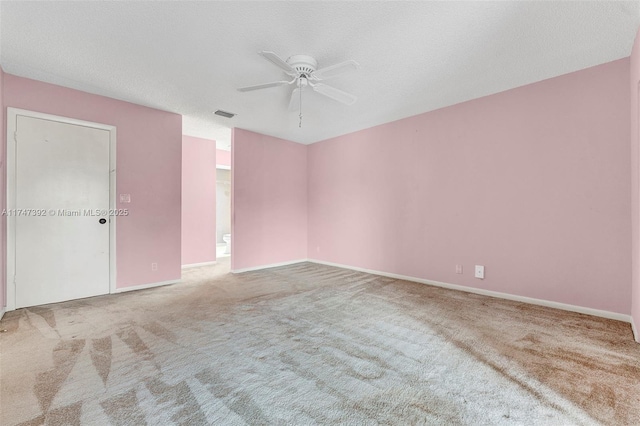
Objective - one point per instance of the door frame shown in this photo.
(12, 123)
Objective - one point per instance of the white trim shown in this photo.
(12, 123)
(220, 166)
(636, 336)
(145, 286)
(507, 296)
(272, 265)
(113, 270)
(2, 312)
(195, 265)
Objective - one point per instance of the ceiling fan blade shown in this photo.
(333, 70)
(335, 94)
(263, 86)
(294, 102)
(276, 60)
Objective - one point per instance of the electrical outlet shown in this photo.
(317, 249)
(479, 272)
(458, 269)
(154, 266)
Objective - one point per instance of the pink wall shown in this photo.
(149, 150)
(533, 183)
(198, 200)
(223, 158)
(635, 182)
(3, 219)
(269, 201)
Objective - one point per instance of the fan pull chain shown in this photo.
(300, 123)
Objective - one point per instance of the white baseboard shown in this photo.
(272, 265)
(195, 265)
(144, 286)
(507, 296)
(636, 336)
(2, 312)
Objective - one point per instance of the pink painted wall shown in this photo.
(533, 183)
(198, 200)
(223, 158)
(269, 201)
(635, 182)
(3, 198)
(149, 151)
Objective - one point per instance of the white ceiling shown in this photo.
(189, 57)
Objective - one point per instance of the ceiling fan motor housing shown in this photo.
(304, 64)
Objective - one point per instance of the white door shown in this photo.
(61, 185)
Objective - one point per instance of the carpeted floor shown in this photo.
(312, 344)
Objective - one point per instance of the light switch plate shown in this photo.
(125, 198)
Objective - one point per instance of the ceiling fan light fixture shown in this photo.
(224, 114)
(305, 72)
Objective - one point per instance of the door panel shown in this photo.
(62, 178)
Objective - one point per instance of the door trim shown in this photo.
(12, 123)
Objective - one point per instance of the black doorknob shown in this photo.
(103, 221)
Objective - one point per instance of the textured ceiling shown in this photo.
(189, 57)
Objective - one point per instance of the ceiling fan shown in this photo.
(304, 73)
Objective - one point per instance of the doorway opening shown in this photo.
(223, 211)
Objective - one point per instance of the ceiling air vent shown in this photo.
(224, 113)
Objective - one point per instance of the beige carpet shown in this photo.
(311, 344)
